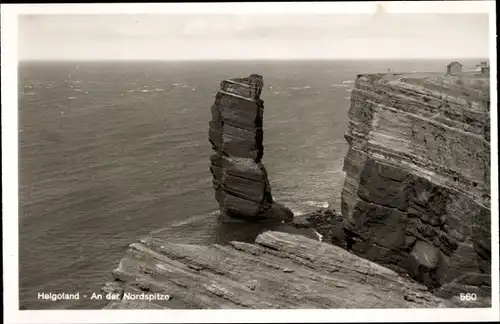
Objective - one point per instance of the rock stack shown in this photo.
(239, 178)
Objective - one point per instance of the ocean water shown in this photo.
(113, 151)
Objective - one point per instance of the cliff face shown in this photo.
(240, 180)
(417, 188)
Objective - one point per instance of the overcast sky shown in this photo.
(181, 36)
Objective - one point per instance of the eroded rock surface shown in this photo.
(240, 180)
(279, 271)
(417, 190)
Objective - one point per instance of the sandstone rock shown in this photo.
(279, 270)
(240, 180)
(417, 174)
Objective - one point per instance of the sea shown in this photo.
(110, 152)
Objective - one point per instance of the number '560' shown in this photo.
(468, 296)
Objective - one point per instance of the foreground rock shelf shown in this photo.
(279, 271)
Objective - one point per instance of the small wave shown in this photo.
(323, 204)
(159, 90)
(297, 212)
(191, 219)
(145, 91)
(71, 98)
(300, 88)
(348, 82)
(320, 237)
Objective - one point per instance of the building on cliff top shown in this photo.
(484, 68)
(454, 67)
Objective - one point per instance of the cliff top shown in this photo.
(472, 86)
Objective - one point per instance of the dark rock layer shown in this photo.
(240, 180)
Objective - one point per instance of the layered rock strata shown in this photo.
(278, 271)
(240, 180)
(417, 188)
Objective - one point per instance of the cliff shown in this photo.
(414, 229)
(417, 188)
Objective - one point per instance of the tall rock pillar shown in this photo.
(240, 180)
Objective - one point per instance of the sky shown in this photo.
(236, 36)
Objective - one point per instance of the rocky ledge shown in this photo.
(279, 271)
